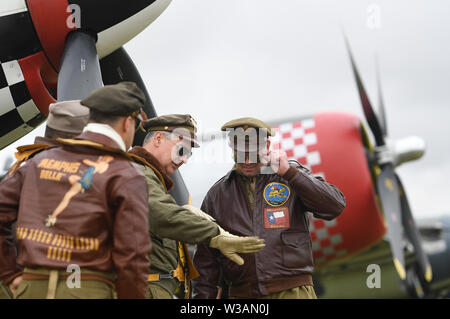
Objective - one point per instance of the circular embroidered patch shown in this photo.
(276, 194)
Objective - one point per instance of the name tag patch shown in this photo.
(276, 217)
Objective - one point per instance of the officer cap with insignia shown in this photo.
(68, 116)
(182, 125)
(248, 134)
(122, 99)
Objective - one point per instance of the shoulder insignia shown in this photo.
(24, 153)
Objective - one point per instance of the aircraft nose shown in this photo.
(115, 22)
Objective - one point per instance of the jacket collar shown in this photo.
(108, 131)
(230, 174)
(98, 138)
(233, 172)
(150, 161)
(45, 141)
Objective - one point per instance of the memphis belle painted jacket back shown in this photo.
(84, 205)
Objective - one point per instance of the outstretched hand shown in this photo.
(229, 245)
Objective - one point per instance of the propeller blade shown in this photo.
(381, 108)
(118, 67)
(369, 113)
(413, 234)
(79, 73)
(180, 191)
(390, 202)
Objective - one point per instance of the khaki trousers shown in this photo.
(5, 293)
(157, 292)
(57, 288)
(302, 292)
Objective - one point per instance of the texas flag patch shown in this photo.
(276, 217)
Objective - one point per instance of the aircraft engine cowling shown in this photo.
(32, 40)
(332, 146)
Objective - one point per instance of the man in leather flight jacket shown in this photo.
(82, 204)
(168, 145)
(272, 205)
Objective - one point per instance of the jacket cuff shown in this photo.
(209, 239)
(291, 173)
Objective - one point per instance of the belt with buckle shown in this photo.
(158, 277)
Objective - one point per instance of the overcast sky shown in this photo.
(219, 60)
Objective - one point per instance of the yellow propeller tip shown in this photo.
(428, 274)
(400, 269)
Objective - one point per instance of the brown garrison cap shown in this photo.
(183, 125)
(68, 116)
(248, 134)
(122, 99)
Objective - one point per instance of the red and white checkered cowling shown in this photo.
(331, 145)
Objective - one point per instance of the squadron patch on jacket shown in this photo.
(276, 194)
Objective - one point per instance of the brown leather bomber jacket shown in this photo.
(83, 205)
(280, 217)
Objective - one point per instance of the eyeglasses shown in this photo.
(139, 117)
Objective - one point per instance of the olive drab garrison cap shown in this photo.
(68, 116)
(122, 99)
(248, 134)
(182, 125)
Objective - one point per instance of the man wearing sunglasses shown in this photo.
(265, 195)
(167, 146)
(81, 210)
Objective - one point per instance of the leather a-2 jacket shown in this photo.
(25, 152)
(84, 205)
(279, 217)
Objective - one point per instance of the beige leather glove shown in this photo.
(229, 245)
(199, 212)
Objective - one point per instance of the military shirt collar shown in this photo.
(107, 130)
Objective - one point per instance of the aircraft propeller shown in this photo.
(81, 72)
(118, 67)
(394, 202)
